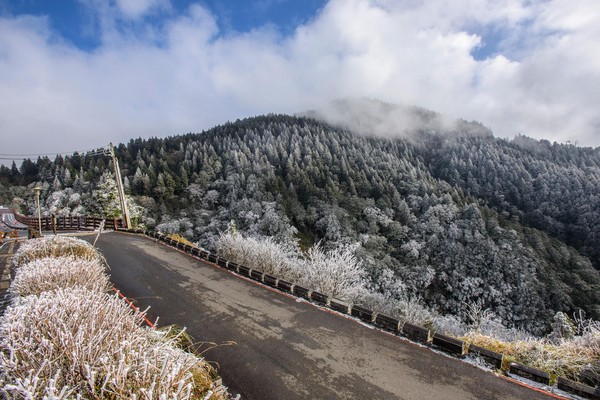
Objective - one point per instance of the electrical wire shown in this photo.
(95, 151)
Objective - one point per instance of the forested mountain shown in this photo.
(456, 215)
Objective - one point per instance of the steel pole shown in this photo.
(119, 180)
(39, 211)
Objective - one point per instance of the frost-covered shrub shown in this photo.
(573, 358)
(92, 344)
(263, 254)
(55, 246)
(51, 273)
(449, 325)
(336, 272)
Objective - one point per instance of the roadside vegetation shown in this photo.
(571, 349)
(65, 336)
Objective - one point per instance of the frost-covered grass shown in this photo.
(576, 356)
(65, 337)
(54, 246)
(52, 273)
(89, 343)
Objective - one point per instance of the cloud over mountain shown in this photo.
(516, 66)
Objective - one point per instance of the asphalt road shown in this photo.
(284, 348)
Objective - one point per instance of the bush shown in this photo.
(577, 358)
(56, 246)
(80, 341)
(64, 337)
(263, 254)
(336, 272)
(50, 273)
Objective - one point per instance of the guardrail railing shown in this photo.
(68, 223)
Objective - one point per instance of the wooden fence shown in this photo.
(69, 223)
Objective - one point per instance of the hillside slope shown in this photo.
(459, 219)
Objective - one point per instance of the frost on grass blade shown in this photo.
(64, 335)
(90, 343)
(50, 273)
(54, 246)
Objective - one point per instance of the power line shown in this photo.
(6, 156)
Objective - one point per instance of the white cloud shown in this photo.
(135, 9)
(186, 75)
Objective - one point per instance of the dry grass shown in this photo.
(577, 358)
(180, 239)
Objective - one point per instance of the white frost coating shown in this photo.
(263, 254)
(64, 337)
(53, 247)
(80, 341)
(335, 272)
(50, 273)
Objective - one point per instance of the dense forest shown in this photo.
(459, 217)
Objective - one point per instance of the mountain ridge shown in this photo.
(447, 215)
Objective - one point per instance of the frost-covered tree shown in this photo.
(336, 272)
(105, 199)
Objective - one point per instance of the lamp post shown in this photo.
(38, 190)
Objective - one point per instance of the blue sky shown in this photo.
(74, 21)
(76, 74)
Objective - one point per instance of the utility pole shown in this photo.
(110, 151)
(119, 180)
(38, 190)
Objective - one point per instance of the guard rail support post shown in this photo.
(448, 344)
(416, 333)
(222, 262)
(488, 356)
(579, 389)
(534, 374)
(285, 286)
(233, 266)
(363, 313)
(256, 275)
